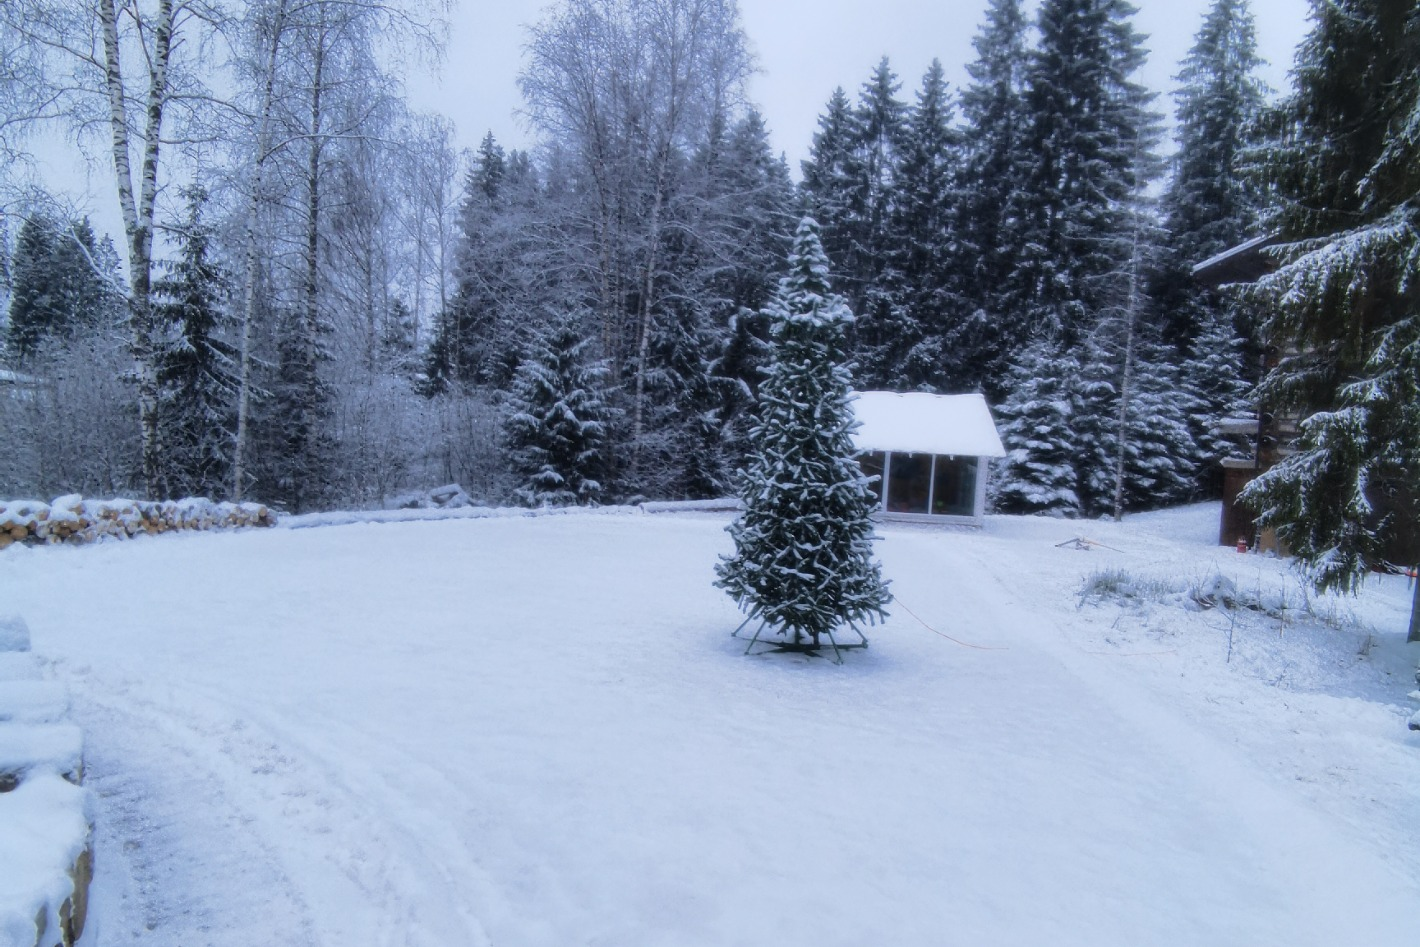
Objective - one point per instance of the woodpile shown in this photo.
(74, 519)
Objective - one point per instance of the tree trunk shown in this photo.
(253, 257)
(643, 344)
(138, 212)
(1127, 376)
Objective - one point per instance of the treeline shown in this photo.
(344, 308)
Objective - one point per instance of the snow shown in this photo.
(18, 666)
(45, 827)
(14, 634)
(538, 731)
(30, 747)
(33, 701)
(918, 422)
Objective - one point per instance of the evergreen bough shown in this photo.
(803, 558)
(1344, 307)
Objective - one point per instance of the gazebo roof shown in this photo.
(922, 423)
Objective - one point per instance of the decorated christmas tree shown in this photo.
(803, 560)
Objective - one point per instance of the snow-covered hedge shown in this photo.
(74, 519)
(46, 862)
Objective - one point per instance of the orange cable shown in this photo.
(964, 644)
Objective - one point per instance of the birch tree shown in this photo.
(126, 67)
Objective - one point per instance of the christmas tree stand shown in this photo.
(803, 646)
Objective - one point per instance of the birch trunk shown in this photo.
(137, 206)
(643, 344)
(253, 256)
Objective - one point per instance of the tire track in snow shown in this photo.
(175, 855)
(425, 857)
(268, 810)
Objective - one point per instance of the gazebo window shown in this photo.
(873, 466)
(909, 483)
(954, 486)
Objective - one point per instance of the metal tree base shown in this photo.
(799, 647)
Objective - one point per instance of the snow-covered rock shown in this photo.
(451, 496)
(45, 863)
(27, 748)
(33, 701)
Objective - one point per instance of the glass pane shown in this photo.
(872, 465)
(909, 479)
(954, 493)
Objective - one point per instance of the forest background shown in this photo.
(319, 300)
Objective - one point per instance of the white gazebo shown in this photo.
(930, 453)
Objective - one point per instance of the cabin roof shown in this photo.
(1244, 263)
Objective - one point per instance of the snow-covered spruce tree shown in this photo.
(1038, 429)
(1214, 378)
(1344, 307)
(995, 169)
(1092, 134)
(830, 176)
(196, 387)
(803, 545)
(64, 282)
(1211, 203)
(921, 345)
(556, 432)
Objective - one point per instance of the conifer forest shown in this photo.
(319, 301)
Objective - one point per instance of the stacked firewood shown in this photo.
(74, 519)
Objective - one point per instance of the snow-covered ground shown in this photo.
(538, 731)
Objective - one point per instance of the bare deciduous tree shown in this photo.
(630, 86)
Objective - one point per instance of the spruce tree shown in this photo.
(1038, 429)
(1211, 204)
(1344, 307)
(995, 173)
(300, 451)
(557, 429)
(195, 367)
(63, 282)
(1213, 375)
(922, 345)
(1153, 438)
(803, 557)
(880, 127)
(1091, 132)
(478, 333)
(831, 176)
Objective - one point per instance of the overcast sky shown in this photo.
(806, 48)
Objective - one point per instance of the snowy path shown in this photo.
(538, 732)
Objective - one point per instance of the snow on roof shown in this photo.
(923, 423)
